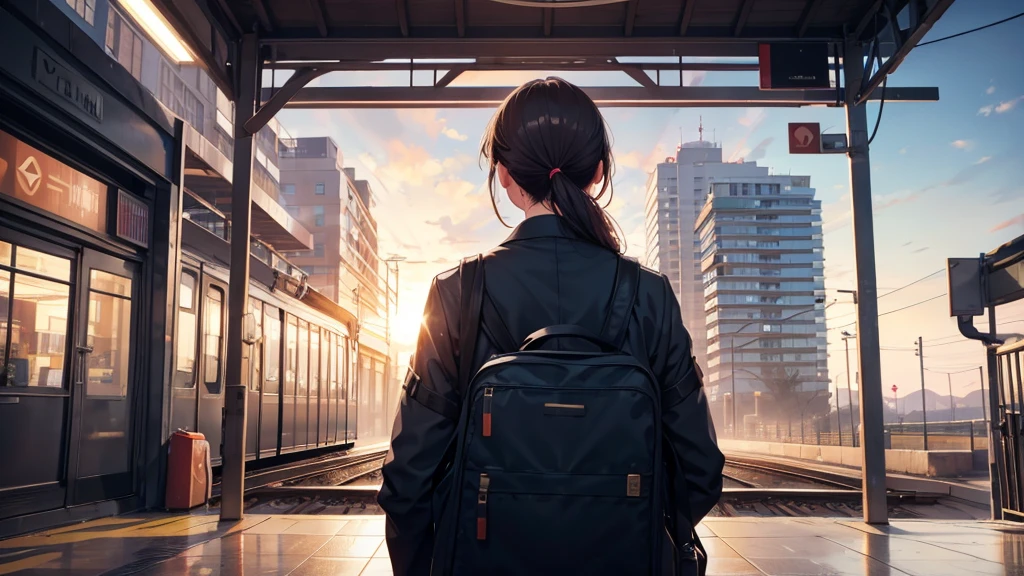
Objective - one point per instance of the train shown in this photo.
(309, 380)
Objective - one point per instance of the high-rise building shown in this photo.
(762, 263)
(676, 192)
(319, 192)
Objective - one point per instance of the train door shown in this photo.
(184, 394)
(302, 388)
(291, 342)
(325, 388)
(313, 413)
(254, 354)
(211, 381)
(36, 288)
(104, 372)
(270, 395)
(341, 404)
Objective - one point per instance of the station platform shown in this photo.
(197, 543)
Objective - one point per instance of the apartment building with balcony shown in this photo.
(327, 198)
(763, 289)
(676, 194)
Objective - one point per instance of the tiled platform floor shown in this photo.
(157, 544)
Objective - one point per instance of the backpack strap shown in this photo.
(471, 272)
(620, 309)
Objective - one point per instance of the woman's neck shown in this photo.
(538, 209)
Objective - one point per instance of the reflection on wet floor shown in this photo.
(354, 546)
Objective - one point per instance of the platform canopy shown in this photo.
(637, 37)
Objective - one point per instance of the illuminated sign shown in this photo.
(132, 219)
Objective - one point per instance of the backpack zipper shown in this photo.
(488, 397)
(481, 508)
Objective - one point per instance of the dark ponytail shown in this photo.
(551, 137)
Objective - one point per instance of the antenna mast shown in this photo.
(700, 129)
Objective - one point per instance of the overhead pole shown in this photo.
(869, 358)
(235, 391)
(924, 404)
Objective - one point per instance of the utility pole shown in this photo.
(981, 380)
(952, 405)
(839, 421)
(732, 380)
(849, 389)
(924, 406)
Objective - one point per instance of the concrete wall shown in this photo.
(934, 463)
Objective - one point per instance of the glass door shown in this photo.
(104, 366)
(36, 291)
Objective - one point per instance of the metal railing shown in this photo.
(960, 435)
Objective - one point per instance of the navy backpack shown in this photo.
(557, 466)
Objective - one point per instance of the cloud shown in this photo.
(991, 90)
(983, 159)
(1015, 221)
(903, 150)
(752, 117)
(1008, 105)
(431, 124)
(760, 150)
(632, 159)
(919, 250)
(962, 144)
(986, 110)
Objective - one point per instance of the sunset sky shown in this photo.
(948, 181)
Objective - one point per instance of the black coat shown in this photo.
(540, 276)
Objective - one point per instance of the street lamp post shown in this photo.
(732, 350)
(849, 389)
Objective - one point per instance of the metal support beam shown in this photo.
(449, 77)
(938, 8)
(279, 97)
(510, 64)
(263, 15)
(805, 19)
(549, 21)
(460, 17)
(869, 356)
(741, 20)
(867, 18)
(630, 17)
(684, 20)
(403, 16)
(640, 76)
(319, 15)
(374, 50)
(660, 96)
(996, 461)
(236, 391)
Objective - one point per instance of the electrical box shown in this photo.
(833, 144)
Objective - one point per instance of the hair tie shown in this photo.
(553, 172)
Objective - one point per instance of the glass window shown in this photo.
(301, 377)
(288, 189)
(5, 304)
(291, 343)
(272, 350)
(320, 189)
(38, 330)
(43, 264)
(336, 365)
(85, 8)
(212, 341)
(318, 250)
(5, 254)
(318, 215)
(110, 322)
(342, 369)
(185, 347)
(256, 350)
(112, 283)
(314, 361)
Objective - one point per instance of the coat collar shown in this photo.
(542, 226)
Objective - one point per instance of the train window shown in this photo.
(109, 330)
(290, 343)
(342, 369)
(256, 350)
(302, 376)
(272, 350)
(335, 365)
(314, 361)
(185, 347)
(213, 339)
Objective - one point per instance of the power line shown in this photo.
(894, 311)
(895, 290)
(971, 369)
(972, 30)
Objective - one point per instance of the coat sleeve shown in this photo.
(420, 439)
(686, 417)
